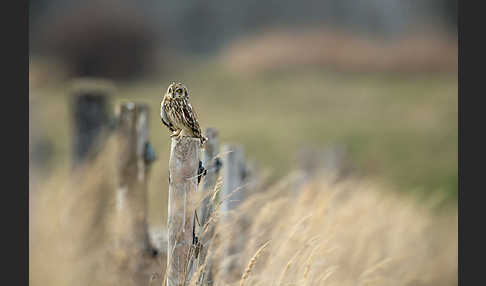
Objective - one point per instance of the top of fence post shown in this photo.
(90, 103)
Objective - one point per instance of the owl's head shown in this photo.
(177, 90)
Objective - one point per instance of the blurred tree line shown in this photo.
(64, 27)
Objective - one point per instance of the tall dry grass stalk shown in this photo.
(308, 262)
(251, 264)
(197, 275)
(287, 267)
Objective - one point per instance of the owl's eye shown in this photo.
(179, 91)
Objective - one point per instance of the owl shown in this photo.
(178, 115)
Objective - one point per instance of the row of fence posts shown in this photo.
(93, 123)
(186, 252)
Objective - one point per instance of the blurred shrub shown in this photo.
(97, 39)
(343, 51)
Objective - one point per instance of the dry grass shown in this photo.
(78, 235)
(353, 232)
(251, 264)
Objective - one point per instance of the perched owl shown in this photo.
(177, 114)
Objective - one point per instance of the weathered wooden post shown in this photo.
(135, 156)
(90, 105)
(234, 173)
(183, 171)
(212, 163)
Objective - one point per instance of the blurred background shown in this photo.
(371, 84)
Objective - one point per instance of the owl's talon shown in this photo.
(175, 133)
(203, 140)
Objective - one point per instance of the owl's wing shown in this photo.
(191, 120)
(165, 119)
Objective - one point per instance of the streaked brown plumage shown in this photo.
(177, 113)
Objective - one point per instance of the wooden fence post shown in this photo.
(234, 175)
(212, 164)
(90, 104)
(135, 157)
(183, 171)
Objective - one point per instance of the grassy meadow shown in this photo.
(317, 232)
(400, 128)
(401, 134)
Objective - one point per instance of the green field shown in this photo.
(398, 128)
